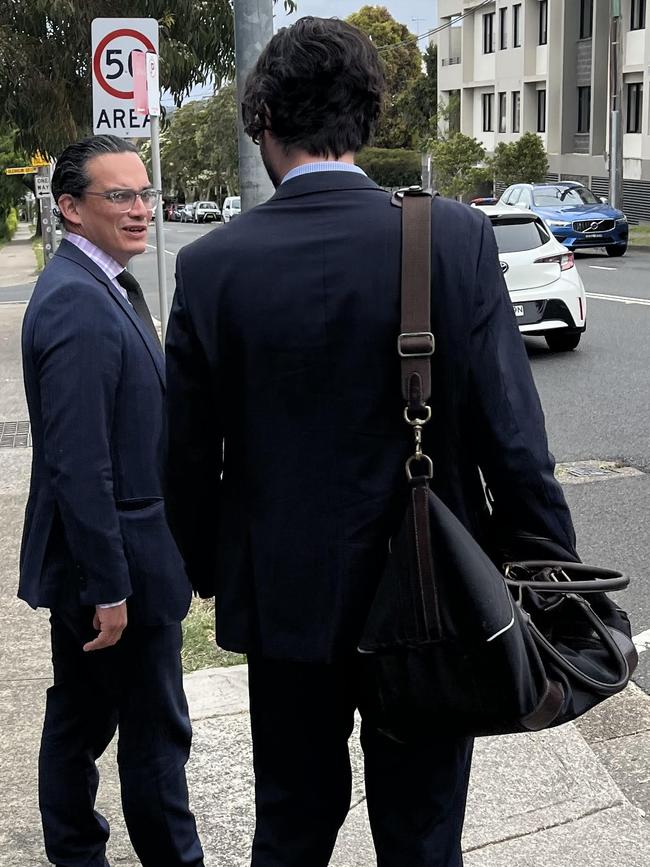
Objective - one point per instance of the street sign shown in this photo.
(39, 160)
(21, 170)
(42, 186)
(113, 42)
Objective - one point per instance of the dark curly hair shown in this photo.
(318, 85)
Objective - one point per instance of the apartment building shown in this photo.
(514, 66)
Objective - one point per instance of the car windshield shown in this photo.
(558, 197)
(208, 206)
(236, 203)
(515, 236)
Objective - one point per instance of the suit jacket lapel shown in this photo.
(74, 254)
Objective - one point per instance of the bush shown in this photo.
(391, 167)
(9, 226)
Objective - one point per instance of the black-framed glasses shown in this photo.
(124, 200)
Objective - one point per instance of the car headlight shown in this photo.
(557, 223)
(621, 220)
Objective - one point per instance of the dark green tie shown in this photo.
(136, 298)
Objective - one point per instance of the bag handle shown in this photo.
(560, 577)
(415, 342)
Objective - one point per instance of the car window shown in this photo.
(208, 206)
(515, 236)
(558, 196)
(514, 195)
(236, 203)
(526, 197)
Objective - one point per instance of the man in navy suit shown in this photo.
(288, 444)
(96, 547)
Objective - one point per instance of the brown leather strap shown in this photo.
(416, 343)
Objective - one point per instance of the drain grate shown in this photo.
(15, 434)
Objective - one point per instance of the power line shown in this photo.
(436, 29)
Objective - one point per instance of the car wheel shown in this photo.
(616, 249)
(562, 341)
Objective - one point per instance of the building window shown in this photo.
(543, 22)
(634, 107)
(488, 99)
(584, 109)
(541, 111)
(488, 33)
(502, 112)
(503, 28)
(516, 25)
(637, 15)
(586, 18)
(516, 110)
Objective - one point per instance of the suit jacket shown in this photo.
(282, 347)
(95, 529)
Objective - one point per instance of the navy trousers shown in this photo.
(138, 685)
(302, 715)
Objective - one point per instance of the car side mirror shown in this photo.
(603, 200)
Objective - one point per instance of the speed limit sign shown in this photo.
(113, 42)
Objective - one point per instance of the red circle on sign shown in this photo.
(97, 60)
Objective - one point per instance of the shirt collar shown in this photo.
(325, 166)
(108, 265)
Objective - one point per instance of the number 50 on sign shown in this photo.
(113, 42)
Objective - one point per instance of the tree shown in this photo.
(45, 79)
(402, 62)
(523, 161)
(12, 188)
(217, 140)
(455, 165)
(418, 104)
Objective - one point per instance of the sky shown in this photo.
(418, 15)
(425, 12)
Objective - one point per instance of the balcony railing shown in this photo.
(450, 61)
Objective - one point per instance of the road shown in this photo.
(596, 402)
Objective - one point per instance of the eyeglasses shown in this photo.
(124, 200)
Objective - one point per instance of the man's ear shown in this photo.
(67, 205)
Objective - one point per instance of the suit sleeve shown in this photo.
(530, 516)
(78, 353)
(195, 446)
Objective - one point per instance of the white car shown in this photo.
(546, 291)
(231, 208)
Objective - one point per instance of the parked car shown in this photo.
(547, 294)
(187, 213)
(231, 208)
(575, 216)
(206, 212)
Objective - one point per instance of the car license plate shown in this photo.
(519, 309)
(595, 235)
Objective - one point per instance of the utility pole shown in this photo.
(253, 29)
(616, 115)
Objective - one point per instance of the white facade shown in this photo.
(545, 64)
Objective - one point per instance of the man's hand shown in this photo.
(110, 623)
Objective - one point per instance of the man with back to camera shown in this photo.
(96, 547)
(287, 444)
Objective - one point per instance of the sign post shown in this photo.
(43, 194)
(125, 70)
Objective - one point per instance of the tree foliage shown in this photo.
(418, 104)
(455, 165)
(402, 67)
(391, 167)
(45, 76)
(523, 161)
(198, 149)
(12, 188)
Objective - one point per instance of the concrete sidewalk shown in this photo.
(542, 800)
(17, 260)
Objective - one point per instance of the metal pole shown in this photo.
(615, 121)
(160, 231)
(253, 29)
(48, 233)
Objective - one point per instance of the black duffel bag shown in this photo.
(452, 644)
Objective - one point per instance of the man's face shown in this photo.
(120, 234)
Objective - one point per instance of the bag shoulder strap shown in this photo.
(415, 343)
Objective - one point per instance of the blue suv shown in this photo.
(574, 215)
